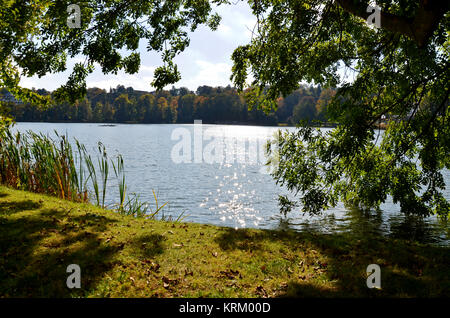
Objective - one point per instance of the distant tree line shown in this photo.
(178, 105)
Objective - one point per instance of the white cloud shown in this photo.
(237, 23)
(211, 74)
(225, 31)
(139, 81)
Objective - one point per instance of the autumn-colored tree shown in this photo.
(326, 96)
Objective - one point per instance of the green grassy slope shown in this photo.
(127, 257)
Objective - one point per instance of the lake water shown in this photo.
(233, 190)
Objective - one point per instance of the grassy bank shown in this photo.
(122, 256)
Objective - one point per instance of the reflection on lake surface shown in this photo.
(230, 192)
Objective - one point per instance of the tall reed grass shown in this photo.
(38, 163)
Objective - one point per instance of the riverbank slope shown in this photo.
(126, 257)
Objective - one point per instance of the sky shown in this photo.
(207, 60)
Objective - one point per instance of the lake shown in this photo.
(215, 174)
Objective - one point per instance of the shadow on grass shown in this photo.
(407, 269)
(27, 269)
(7, 208)
(149, 245)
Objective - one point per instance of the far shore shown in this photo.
(381, 126)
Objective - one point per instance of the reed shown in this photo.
(157, 207)
(104, 170)
(38, 163)
(120, 175)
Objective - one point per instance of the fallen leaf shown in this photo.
(120, 246)
(261, 291)
(231, 274)
(152, 265)
(169, 281)
(233, 283)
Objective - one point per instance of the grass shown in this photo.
(125, 256)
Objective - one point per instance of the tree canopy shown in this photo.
(399, 71)
(36, 39)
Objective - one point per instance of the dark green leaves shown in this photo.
(391, 79)
(36, 39)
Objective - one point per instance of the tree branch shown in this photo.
(428, 15)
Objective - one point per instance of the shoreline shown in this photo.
(110, 124)
(123, 256)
